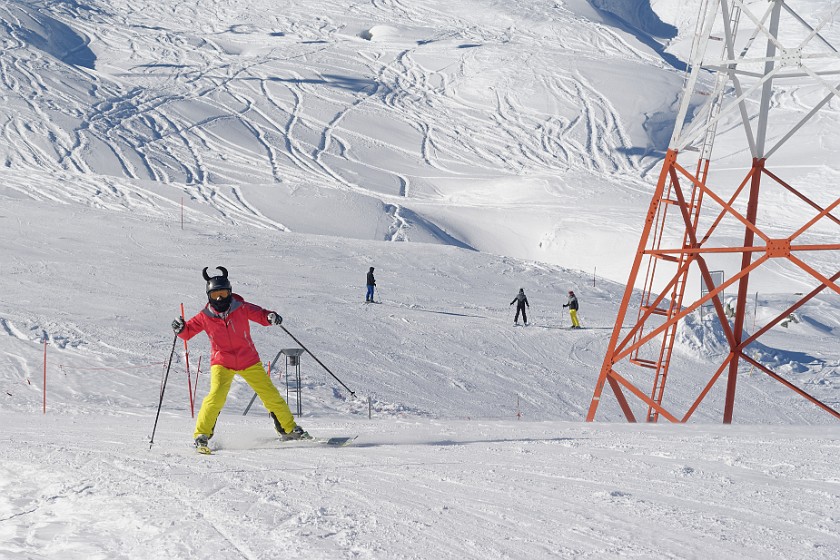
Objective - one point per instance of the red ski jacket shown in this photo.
(230, 333)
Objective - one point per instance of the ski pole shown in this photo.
(317, 360)
(162, 389)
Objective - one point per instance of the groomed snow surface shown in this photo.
(85, 487)
(511, 144)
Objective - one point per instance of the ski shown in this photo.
(338, 441)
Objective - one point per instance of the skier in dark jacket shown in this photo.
(226, 319)
(521, 302)
(573, 309)
(371, 283)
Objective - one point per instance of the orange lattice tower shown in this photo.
(740, 60)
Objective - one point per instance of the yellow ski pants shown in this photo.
(220, 381)
(573, 315)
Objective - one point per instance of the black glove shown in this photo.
(565, 305)
(178, 325)
(274, 318)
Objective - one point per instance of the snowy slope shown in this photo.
(444, 467)
(420, 489)
(441, 343)
(411, 118)
(514, 144)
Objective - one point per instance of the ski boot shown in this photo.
(296, 433)
(201, 444)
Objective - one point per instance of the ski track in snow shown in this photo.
(158, 106)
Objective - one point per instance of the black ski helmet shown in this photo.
(217, 282)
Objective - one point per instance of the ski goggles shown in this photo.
(218, 294)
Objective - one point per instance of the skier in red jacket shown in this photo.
(226, 320)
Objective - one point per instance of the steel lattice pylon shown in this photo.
(749, 54)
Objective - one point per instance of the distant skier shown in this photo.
(226, 320)
(521, 302)
(573, 309)
(371, 284)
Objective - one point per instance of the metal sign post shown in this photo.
(293, 383)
